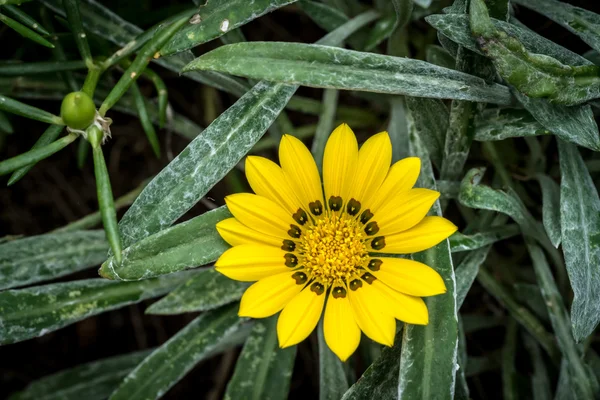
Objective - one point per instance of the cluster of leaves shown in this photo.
(491, 80)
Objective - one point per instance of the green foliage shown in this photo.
(490, 95)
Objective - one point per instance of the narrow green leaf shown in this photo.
(132, 73)
(35, 311)
(91, 381)
(541, 387)
(467, 271)
(16, 107)
(329, 18)
(550, 207)
(25, 19)
(50, 135)
(207, 290)
(204, 162)
(83, 150)
(29, 68)
(263, 370)
(5, 125)
(580, 226)
(430, 119)
(35, 155)
(72, 10)
(106, 202)
(580, 381)
(103, 22)
(509, 374)
(380, 380)
(25, 31)
(333, 382)
(45, 257)
(162, 94)
(388, 24)
(439, 56)
(398, 128)
(462, 389)
(140, 103)
(520, 313)
(429, 357)
(578, 21)
(461, 242)
(325, 125)
(206, 335)
(189, 244)
(494, 124)
(216, 18)
(456, 27)
(329, 67)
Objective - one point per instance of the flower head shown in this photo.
(312, 247)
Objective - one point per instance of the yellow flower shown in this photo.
(311, 247)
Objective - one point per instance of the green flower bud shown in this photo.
(77, 110)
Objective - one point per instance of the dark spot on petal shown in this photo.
(378, 243)
(353, 207)
(300, 216)
(316, 207)
(294, 231)
(371, 228)
(355, 284)
(300, 278)
(291, 260)
(335, 203)
(375, 264)
(317, 288)
(368, 277)
(338, 292)
(366, 216)
(288, 245)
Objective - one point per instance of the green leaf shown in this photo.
(329, 67)
(91, 381)
(460, 242)
(550, 208)
(580, 381)
(580, 226)
(467, 271)
(380, 380)
(263, 370)
(398, 128)
(25, 31)
(41, 258)
(71, 8)
(205, 336)
(456, 27)
(204, 162)
(32, 312)
(430, 119)
(388, 24)
(25, 19)
(103, 22)
(16, 107)
(149, 130)
(578, 21)
(5, 125)
(509, 354)
(186, 245)
(495, 124)
(35, 154)
(325, 125)
(30, 68)
(207, 290)
(429, 357)
(439, 56)
(333, 382)
(216, 18)
(540, 381)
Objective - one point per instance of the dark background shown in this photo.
(57, 192)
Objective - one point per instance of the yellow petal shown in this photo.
(373, 314)
(401, 177)
(374, 158)
(405, 210)
(300, 170)
(408, 276)
(342, 333)
(235, 233)
(339, 163)
(427, 233)
(269, 295)
(251, 262)
(407, 308)
(299, 317)
(261, 214)
(267, 180)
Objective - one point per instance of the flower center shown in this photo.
(333, 248)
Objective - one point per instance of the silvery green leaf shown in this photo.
(206, 290)
(331, 67)
(580, 227)
(208, 334)
(502, 123)
(550, 208)
(333, 382)
(263, 370)
(466, 272)
(460, 242)
(35, 311)
(430, 119)
(44, 257)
